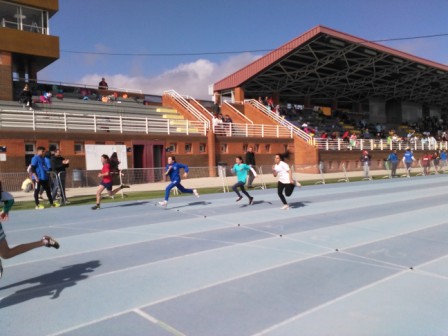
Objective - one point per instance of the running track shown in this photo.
(364, 258)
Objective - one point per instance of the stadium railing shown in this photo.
(305, 136)
(378, 144)
(252, 130)
(10, 118)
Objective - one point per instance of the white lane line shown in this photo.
(352, 293)
(162, 324)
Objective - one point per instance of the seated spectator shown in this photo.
(26, 97)
(45, 98)
(227, 121)
(217, 124)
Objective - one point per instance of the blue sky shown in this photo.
(198, 26)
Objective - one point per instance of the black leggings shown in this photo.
(287, 187)
(241, 186)
(45, 184)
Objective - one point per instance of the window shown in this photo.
(188, 148)
(267, 148)
(52, 146)
(245, 146)
(285, 148)
(79, 148)
(202, 148)
(24, 18)
(30, 150)
(257, 148)
(224, 148)
(172, 148)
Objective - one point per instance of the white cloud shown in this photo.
(190, 79)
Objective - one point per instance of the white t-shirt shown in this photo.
(282, 170)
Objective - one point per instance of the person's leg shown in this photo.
(184, 190)
(280, 188)
(235, 189)
(243, 190)
(168, 190)
(250, 179)
(36, 192)
(6, 252)
(98, 194)
(46, 186)
(289, 189)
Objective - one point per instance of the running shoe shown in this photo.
(251, 200)
(1, 269)
(163, 203)
(39, 207)
(50, 242)
(285, 207)
(96, 207)
(55, 205)
(239, 198)
(195, 192)
(123, 186)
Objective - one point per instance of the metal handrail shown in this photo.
(189, 107)
(200, 105)
(377, 144)
(305, 136)
(236, 111)
(251, 130)
(97, 122)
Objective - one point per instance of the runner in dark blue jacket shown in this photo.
(173, 171)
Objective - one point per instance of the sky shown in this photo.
(203, 41)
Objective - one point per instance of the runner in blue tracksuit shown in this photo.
(173, 171)
(408, 159)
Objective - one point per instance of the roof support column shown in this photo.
(5, 76)
(334, 105)
(238, 94)
(307, 102)
(377, 110)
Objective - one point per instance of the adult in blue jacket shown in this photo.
(39, 172)
(173, 171)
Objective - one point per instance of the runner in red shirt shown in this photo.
(106, 182)
(426, 161)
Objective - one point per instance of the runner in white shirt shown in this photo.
(285, 181)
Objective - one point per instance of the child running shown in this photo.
(285, 181)
(172, 170)
(5, 251)
(241, 170)
(106, 182)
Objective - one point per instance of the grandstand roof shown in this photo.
(326, 64)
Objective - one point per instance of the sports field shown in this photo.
(364, 258)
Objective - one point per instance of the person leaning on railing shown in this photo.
(59, 166)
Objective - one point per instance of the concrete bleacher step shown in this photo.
(184, 130)
(173, 116)
(177, 122)
(166, 110)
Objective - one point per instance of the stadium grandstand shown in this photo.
(302, 97)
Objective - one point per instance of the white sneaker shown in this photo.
(195, 192)
(163, 203)
(285, 207)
